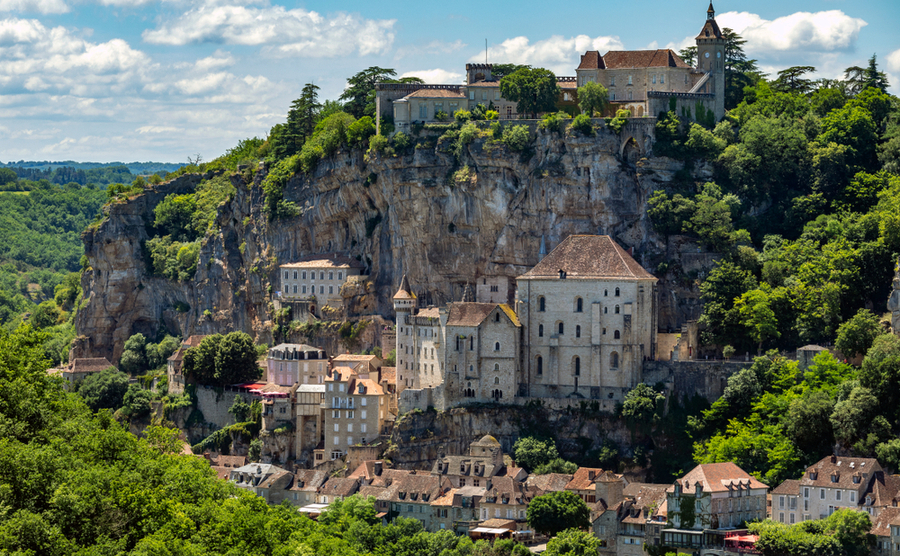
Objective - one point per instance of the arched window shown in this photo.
(579, 305)
(614, 360)
(577, 366)
(578, 331)
(496, 346)
(496, 367)
(617, 292)
(496, 379)
(605, 310)
(540, 331)
(471, 369)
(540, 365)
(561, 328)
(616, 335)
(617, 309)
(541, 304)
(605, 293)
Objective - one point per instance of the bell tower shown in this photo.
(711, 59)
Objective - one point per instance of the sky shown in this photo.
(164, 80)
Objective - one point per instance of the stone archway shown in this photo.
(631, 151)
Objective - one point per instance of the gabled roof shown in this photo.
(194, 340)
(881, 525)
(416, 489)
(90, 365)
(389, 375)
(843, 469)
(592, 60)
(582, 256)
(436, 93)
(624, 59)
(309, 479)
(718, 477)
(325, 261)
(550, 482)
(473, 314)
(790, 487)
(404, 291)
(336, 486)
(372, 388)
(584, 478)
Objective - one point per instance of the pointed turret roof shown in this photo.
(467, 296)
(710, 28)
(711, 10)
(405, 292)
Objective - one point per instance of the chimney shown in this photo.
(833, 458)
(591, 475)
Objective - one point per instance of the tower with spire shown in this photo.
(711, 59)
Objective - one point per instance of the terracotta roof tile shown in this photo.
(473, 314)
(592, 60)
(581, 256)
(372, 388)
(716, 477)
(194, 340)
(550, 482)
(416, 489)
(325, 260)
(843, 470)
(389, 375)
(436, 93)
(351, 357)
(789, 487)
(584, 478)
(430, 312)
(337, 486)
(90, 365)
(623, 59)
(881, 525)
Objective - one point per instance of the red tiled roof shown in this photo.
(194, 340)
(789, 487)
(372, 388)
(389, 375)
(550, 482)
(623, 59)
(584, 478)
(581, 256)
(435, 93)
(336, 486)
(881, 525)
(592, 60)
(843, 469)
(90, 365)
(325, 260)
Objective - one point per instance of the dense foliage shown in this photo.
(557, 511)
(222, 360)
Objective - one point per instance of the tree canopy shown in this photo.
(532, 89)
(557, 511)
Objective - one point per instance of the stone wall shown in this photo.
(215, 402)
(689, 378)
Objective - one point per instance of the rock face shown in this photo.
(396, 214)
(893, 304)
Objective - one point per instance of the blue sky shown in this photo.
(104, 80)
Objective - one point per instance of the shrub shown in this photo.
(402, 142)
(441, 116)
(582, 124)
(462, 116)
(378, 144)
(491, 115)
(360, 130)
(517, 137)
(497, 130)
(553, 122)
(617, 123)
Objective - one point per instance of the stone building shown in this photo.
(710, 498)
(175, 362)
(355, 411)
(484, 461)
(288, 364)
(589, 312)
(318, 277)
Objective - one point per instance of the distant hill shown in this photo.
(136, 168)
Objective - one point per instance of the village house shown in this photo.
(485, 460)
(411, 497)
(305, 488)
(886, 530)
(709, 499)
(263, 479)
(80, 368)
(337, 488)
(507, 499)
(356, 410)
(289, 364)
(319, 277)
(366, 366)
(175, 362)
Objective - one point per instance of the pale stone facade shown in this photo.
(589, 312)
(355, 411)
(288, 364)
(318, 278)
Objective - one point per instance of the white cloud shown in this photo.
(557, 53)
(39, 6)
(893, 61)
(826, 31)
(434, 47)
(296, 32)
(436, 76)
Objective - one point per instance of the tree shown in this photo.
(239, 409)
(532, 89)
(592, 97)
(888, 454)
(757, 315)
(852, 126)
(136, 401)
(200, 362)
(852, 416)
(642, 403)
(880, 372)
(46, 314)
(689, 55)
(104, 390)
(174, 215)
(725, 283)
(359, 96)
(857, 335)
(134, 359)
(557, 511)
(791, 80)
(7, 176)
(556, 465)
(573, 542)
(807, 422)
(301, 120)
(529, 452)
(499, 71)
(236, 359)
(740, 72)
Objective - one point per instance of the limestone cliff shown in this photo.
(396, 214)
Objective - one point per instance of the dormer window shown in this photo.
(834, 478)
(813, 475)
(856, 479)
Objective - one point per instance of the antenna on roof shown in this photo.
(485, 52)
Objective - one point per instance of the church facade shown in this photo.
(583, 323)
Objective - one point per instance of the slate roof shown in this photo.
(662, 58)
(507, 490)
(276, 475)
(464, 466)
(90, 365)
(416, 489)
(885, 490)
(710, 30)
(843, 469)
(583, 256)
(592, 60)
(717, 477)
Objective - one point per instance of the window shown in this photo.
(578, 331)
(304, 289)
(349, 427)
(579, 305)
(540, 331)
(612, 95)
(497, 95)
(471, 343)
(438, 107)
(630, 81)
(662, 79)
(806, 492)
(540, 365)
(331, 275)
(295, 275)
(295, 288)
(340, 275)
(330, 290)
(362, 428)
(837, 495)
(616, 335)
(472, 95)
(337, 428)
(337, 440)
(322, 275)
(321, 289)
(363, 403)
(541, 304)
(617, 309)
(304, 275)
(781, 502)
(614, 360)
(285, 274)
(349, 441)
(605, 310)
(612, 81)
(853, 496)
(653, 79)
(484, 95)
(617, 292)
(577, 366)
(496, 346)
(561, 328)
(821, 494)
(423, 111)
